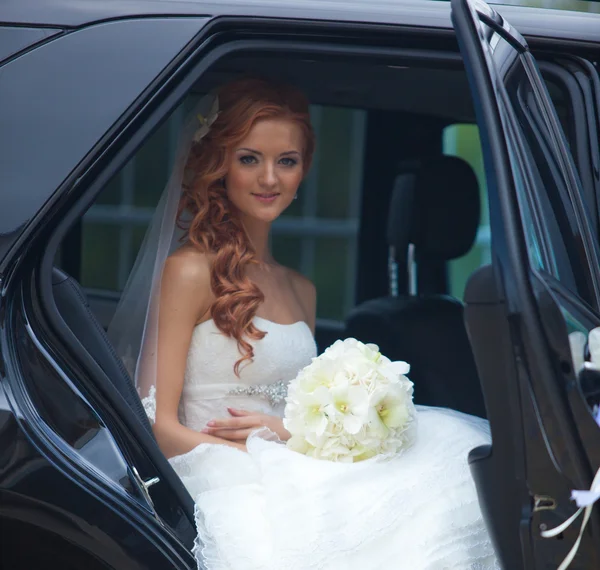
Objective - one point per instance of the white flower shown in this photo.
(350, 404)
(393, 405)
(299, 444)
(389, 409)
(308, 412)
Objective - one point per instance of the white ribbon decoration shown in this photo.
(594, 346)
(585, 500)
(577, 342)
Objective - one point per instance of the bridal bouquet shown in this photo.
(350, 404)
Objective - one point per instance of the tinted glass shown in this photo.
(554, 238)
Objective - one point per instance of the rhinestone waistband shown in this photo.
(274, 393)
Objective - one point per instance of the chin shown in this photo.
(265, 214)
(266, 217)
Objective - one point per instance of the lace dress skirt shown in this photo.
(272, 508)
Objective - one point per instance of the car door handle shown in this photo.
(145, 485)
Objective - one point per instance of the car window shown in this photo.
(317, 235)
(554, 240)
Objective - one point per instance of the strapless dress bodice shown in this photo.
(210, 383)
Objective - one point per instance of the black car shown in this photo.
(402, 208)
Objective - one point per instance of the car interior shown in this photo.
(424, 206)
(410, 237)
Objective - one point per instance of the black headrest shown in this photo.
(435, 206)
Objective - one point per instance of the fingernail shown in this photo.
(211, 424)
(205, 430)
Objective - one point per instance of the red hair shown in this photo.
(215, 228)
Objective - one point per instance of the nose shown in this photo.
(268, 177)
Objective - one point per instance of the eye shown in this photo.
(287, 161)
(248, 159)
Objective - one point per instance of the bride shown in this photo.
(224, 328)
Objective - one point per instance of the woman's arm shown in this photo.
(184, 299)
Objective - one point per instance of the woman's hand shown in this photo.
(243, 423)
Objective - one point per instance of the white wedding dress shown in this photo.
(274, 509)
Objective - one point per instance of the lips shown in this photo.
(266, 197)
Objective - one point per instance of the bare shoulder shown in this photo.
(187, 267)
(186, 278)
(302, 285)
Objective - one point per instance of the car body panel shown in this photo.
(70, 75)
(428, 14)
(14, 40)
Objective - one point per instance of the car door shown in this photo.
(90, 500)
(540, 291)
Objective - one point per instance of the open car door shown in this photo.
(529, 313)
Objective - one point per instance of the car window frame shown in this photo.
(537, 202)
(581, 124)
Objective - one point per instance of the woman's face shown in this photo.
(266, 169)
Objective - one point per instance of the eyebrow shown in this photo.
(287, 152)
